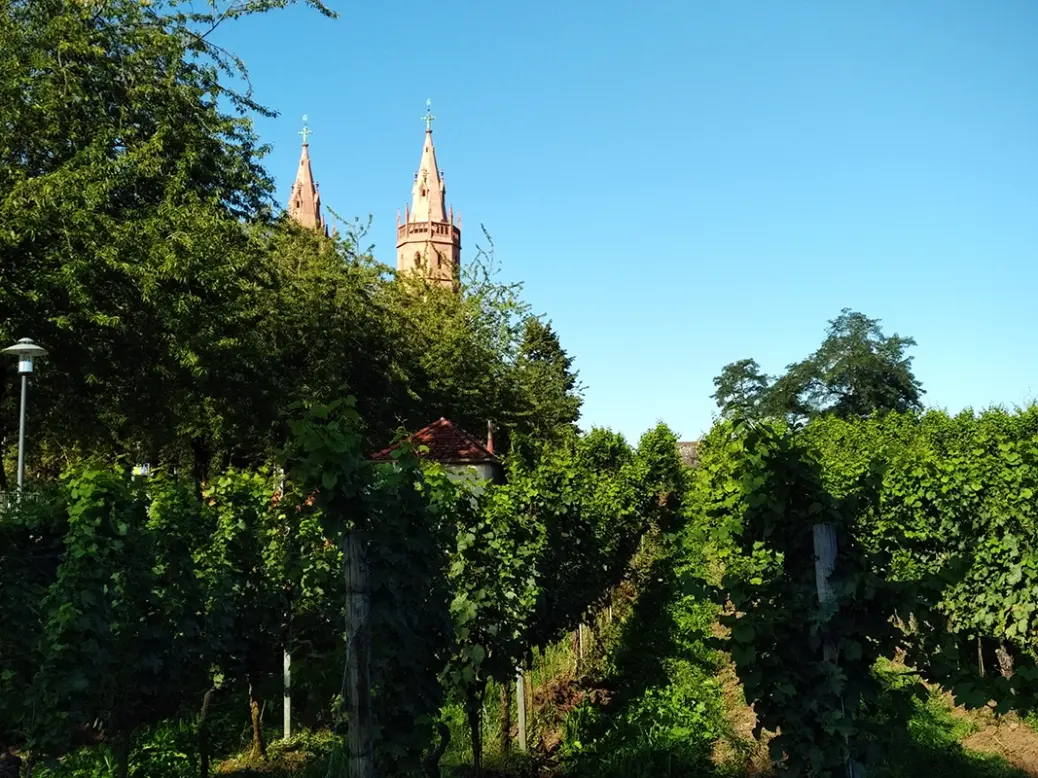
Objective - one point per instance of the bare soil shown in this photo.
(1007, 736)
(559, 697)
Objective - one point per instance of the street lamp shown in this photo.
(26, 351)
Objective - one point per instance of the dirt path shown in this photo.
(740, 751)
(1009, 737)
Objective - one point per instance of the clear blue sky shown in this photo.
(683, 184)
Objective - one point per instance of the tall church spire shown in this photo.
(304, 203)
(428, 240)
(428, 197)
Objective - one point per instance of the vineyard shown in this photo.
(205, 570)
(129, 602)
(646, 599)
(844, 545)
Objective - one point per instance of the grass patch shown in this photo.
(667, 707)
(925, 736)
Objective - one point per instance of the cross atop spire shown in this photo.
(306, 131)
(428, 118)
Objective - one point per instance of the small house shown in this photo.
(462, 455)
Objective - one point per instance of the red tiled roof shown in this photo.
(446, 443)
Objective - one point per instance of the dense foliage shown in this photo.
(535, 556)
(132, 599)
(140, 245)
(934, 521)
(667, 712)
(193, 328)
(856, 372)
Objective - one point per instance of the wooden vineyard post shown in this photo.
(825, 562)
(358, 652)
(530, 688)
(506, 717)
(520, 702)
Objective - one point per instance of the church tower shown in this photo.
(428, 241)
(304, 203)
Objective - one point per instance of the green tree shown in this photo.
(138, 244)
(124, 240)
(742, 389)
(856, 372)
(549, 382)
(456, 352)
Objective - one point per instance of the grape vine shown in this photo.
(934, 519)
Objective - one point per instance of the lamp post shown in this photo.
(25, 350)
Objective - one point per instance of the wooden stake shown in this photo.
(203, 736)
(824, 537)
(358, 650)
(506, 717)
(825, 561)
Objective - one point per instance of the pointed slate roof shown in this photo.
(447, 444)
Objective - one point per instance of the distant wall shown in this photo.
(688, 450)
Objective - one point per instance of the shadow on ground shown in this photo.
(926, 738)
(668, 710)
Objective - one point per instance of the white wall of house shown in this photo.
(475, 475)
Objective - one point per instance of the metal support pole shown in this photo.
(286, 725)
(520, 699)
(21, 432)
(25, 351)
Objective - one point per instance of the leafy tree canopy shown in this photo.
(140, 244)
(549, 380)
(856, 372)
(741, 389)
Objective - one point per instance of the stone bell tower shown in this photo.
(304, 203)
(428, 241)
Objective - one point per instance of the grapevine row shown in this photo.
(129, 600)
(937, 564)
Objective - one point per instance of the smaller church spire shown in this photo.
(304, 202)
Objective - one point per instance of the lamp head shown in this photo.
(25, 350)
